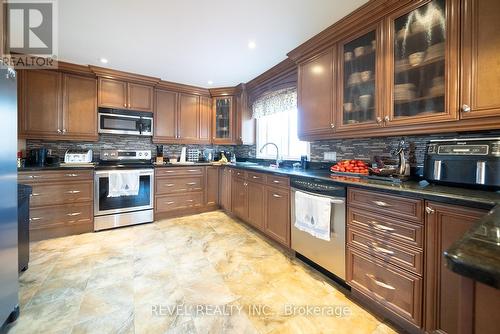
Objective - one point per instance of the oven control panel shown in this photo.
(120, 155)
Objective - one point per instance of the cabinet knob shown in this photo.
(332, 125)
(379, 120)
(466, 108)
(125, 105)
(429, 210)
(59, 131)
(64, 131)
(387, 119)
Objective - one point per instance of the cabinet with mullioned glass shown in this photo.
(223, 120)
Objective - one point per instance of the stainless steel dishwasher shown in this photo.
(329, 255)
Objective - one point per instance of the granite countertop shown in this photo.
(477, 254)
(55, 167)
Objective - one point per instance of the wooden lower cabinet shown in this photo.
(256, 204)
(212, 186)
(239, 198)
(393, 288)
(168, 203)
(225, 184)
(61, 203)
(449, 296)
(277, 223)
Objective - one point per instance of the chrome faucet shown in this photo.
(278, 160)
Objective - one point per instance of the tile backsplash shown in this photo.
(361, 148)
(122, 142)
(367, 148)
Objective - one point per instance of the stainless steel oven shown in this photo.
(112, 206)
(127, 123)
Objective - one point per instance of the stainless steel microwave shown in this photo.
(125, 122)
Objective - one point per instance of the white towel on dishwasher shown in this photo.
(124, 183)
(312, 215)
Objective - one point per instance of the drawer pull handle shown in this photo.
(168, 203)
(34, 176)
(276, 181)
(277, 196)
(255, 177)
(382, 204)
(382, 227)
(73, 214)
(71, 175)
(381, 250)
(35, 194)
(169, 185)
(191, 183)
(170, 171)
(193, 170)
(34, 219)
(380, 284)
(190, 200)
(73, 192)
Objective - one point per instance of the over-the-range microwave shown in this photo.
(125, 122)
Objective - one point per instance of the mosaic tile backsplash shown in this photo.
(123, 142)
(365, 148)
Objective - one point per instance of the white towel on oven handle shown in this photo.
(124, 183)
(313, 215)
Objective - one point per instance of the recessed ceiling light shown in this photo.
(252, 45)
(210, 82)
(103, 60)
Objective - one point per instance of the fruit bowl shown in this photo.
(350, 167)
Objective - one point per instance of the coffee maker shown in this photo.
(37, 157)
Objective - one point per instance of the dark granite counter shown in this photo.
(477, 254)
(169, 165)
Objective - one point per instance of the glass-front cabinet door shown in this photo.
(223, 120)
(423, 63)
(359, 80)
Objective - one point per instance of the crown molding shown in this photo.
(120, 75)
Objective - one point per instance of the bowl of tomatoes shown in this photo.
(350, 167)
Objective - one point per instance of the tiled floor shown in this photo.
(224, 277)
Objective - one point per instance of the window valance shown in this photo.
(275, 102)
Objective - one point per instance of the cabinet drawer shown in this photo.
(60, 216)
(397, 206)
(397, 290)
(173, 171)
(257, 177)
(280, 181)
(60, 175)
(178, 184)
(386, 228)
(408, 258)
(52, 194)
(165, 203)
(240, 173)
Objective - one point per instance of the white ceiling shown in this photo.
(192, 41)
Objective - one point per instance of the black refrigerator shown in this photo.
(9, 302)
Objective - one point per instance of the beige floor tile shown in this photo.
(116, 281)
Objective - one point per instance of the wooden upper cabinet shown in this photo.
(140, 97)
(112, 93)
(79, 107)
(125, 95)
(449, 296)
(315, 95)
(480, 58)
(205, 119)
(360, 80)
(188, 117)
(40, 104)
(423, 63)
(165, 122)
(223, 120)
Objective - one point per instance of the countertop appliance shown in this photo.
(125, 123)
(330, 255)
(111, 212)
(9, 286)
(469, 161)
(78, 156)
(37, 157)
